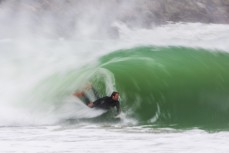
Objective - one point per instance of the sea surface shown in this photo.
(173, 81)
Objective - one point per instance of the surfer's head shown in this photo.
(115, 95)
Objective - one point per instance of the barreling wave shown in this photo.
(172, 85)
(159, 86)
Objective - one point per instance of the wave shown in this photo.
(159, 86)
(172, 85)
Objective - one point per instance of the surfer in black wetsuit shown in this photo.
(107, 102)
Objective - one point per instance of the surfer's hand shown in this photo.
(117, 115)
(90, 104)
(120, 115)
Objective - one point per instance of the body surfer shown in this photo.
(105, 103)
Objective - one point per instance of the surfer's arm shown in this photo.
(118, 108)
(98, 101)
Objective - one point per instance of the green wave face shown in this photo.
(172, 86)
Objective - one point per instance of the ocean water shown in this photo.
(173, 81)
(110, 139)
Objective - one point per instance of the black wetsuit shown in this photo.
(106, 103)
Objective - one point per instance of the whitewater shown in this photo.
(172, 78)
